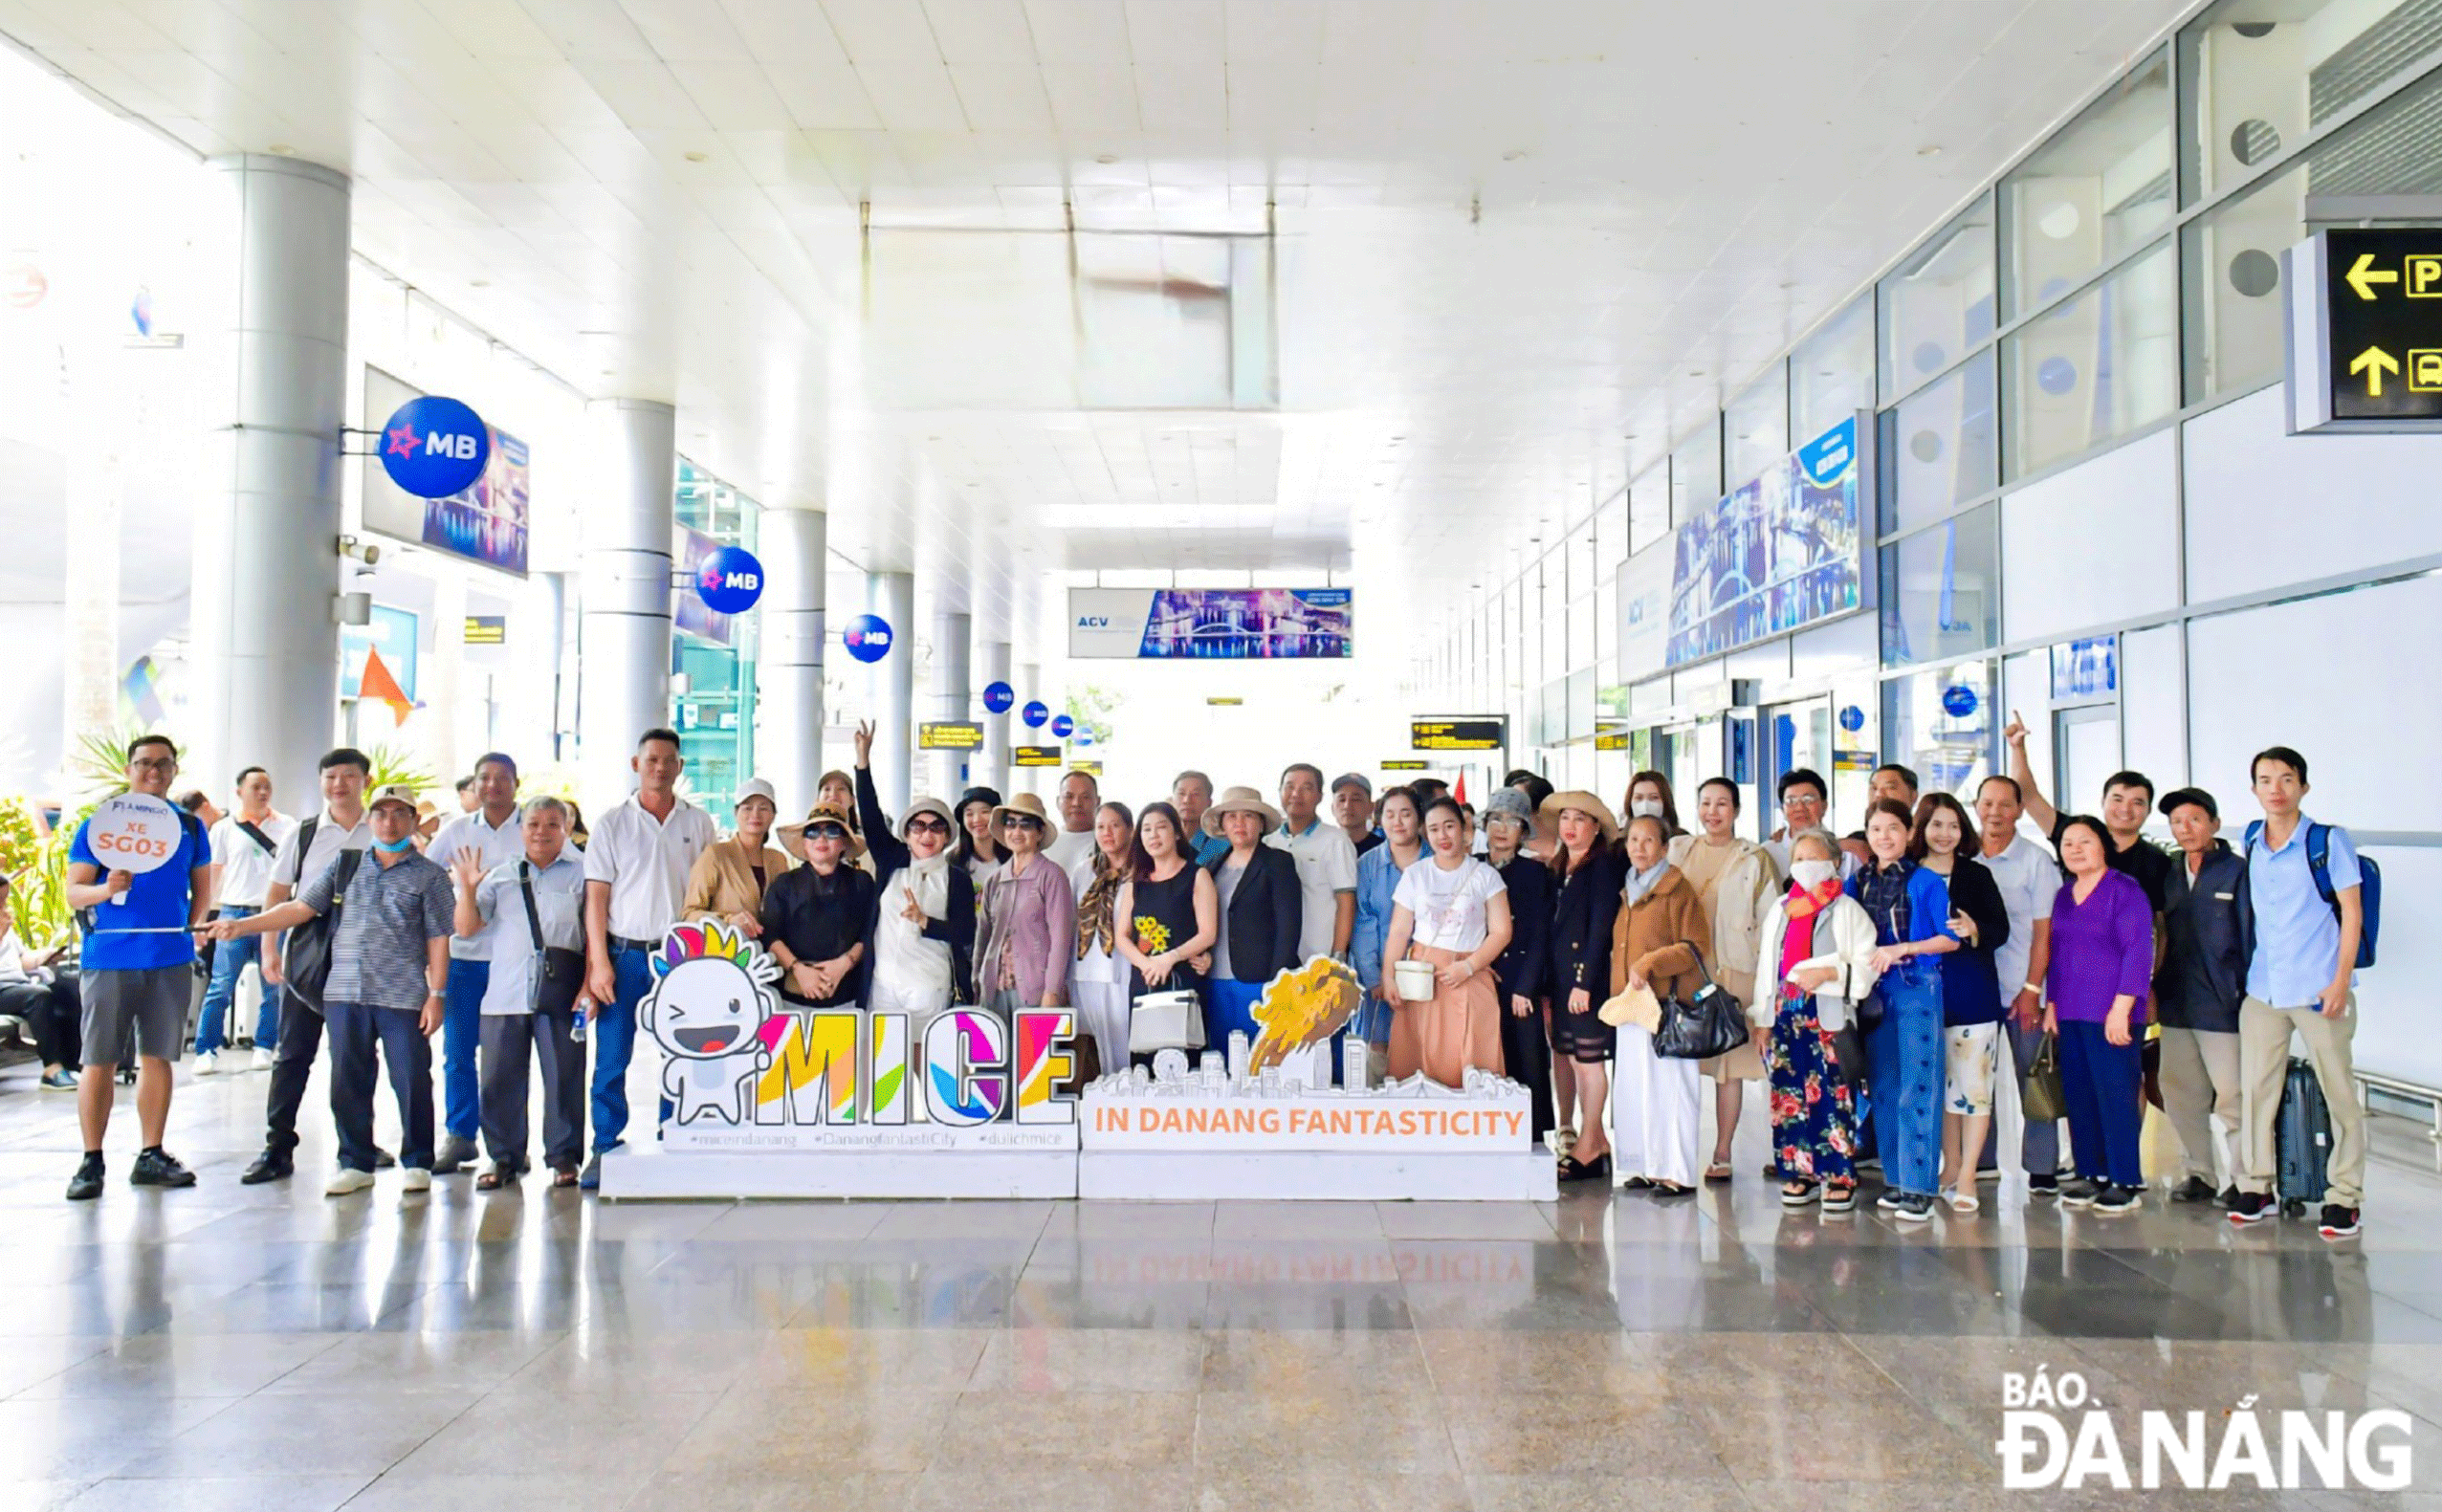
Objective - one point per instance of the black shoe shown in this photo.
(268, 1166)
(2195, 1189)
(159, 1168)
(126, 1076)
(2338, 1222)
(2116, 1198)
(2228, 1198)
(1913, 1207)
(86, 1184)
(2045, 1186)
(2251, 1206)
(2079, 1192)
(1572, 1169)
(383, 1159)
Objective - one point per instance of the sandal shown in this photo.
(564, 1176)
(492, 1179)
(1799, 1194)
(1962, 1202)
(1839, 1196)
(1717, 1173)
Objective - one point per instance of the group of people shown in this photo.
(1880, 975)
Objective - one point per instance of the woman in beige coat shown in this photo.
(728, 879)
(1736, 882)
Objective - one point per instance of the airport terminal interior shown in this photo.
(1673, 431)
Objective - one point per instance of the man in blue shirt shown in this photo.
(2300, 981)
(137, 975)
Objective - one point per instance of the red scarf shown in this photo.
(1798, 941)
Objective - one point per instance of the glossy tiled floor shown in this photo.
(271, 1349)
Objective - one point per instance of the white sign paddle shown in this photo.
(133, 832)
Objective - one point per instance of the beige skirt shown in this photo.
(1456, 1028)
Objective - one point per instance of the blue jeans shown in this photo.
(613, 1034)
(461, 1033)
(2104, 1086)
(357, 1029)
(1906, 1079)
(230, 958)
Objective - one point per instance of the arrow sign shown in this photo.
(2363, 277)
(2374, 363)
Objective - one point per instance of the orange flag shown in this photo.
(379, 684)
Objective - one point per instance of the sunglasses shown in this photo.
(826, 832)
(1024, 822)
(927, 826)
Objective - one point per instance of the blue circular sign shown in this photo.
(1035, 713)
(868, 637)
(434, 446)
(998, 697)
(1958, 700)
(1085, 736)
(1062, 726)
(1852, 719)
(730, 581)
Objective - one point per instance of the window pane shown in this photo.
(1938, 447)
(1831, 375)
(1940, 590)
(2099, 189)
(1649, 508)
(1940, 722)
(2263, 73)
(1611, 536)
(1938, 304)
(1758, 425)
(1696, 471)
(2235, 311)
(2100, 367)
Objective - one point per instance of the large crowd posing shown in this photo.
(1888, 978)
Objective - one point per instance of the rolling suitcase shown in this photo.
(2302, 1140)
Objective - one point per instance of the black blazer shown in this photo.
(1584, 903)
(890, 854)
(1521, 967)
(1265, 914)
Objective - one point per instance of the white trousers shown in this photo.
(1655, 1107)
(1102, 1011)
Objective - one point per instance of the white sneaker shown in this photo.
(262, 1060)
(415, 1178)
(349, 1179)
(208, 1064)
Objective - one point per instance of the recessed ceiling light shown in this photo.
(1106, 158)
(478, 283)
(1695, 372)
(1513, 155)
(1931, 149)
(698, 157)
(281, 149)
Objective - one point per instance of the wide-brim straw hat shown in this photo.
(794, 835)
(928, 806)
(1240, 800)
(1022, 805)
(1584, 803)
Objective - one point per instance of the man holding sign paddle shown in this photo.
(140, 873)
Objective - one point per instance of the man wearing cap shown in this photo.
(1353, 809)
(2197, 993)
(491, 831)
(387, 986)
(637, 862)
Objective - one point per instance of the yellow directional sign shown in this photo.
(2374, 363)
(2425, 371)
(2362, 277)
(2425, 277)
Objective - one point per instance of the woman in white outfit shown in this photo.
(1736, 882)
(1659, 939)
(923, 931)
(1101, 991)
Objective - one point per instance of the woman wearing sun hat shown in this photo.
(729, 878)
(1029, 932)
(923, 931)
(1261, 911)
(1587, 883)
(817, 919)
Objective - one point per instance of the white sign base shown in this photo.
(632, 1172)
(1296, 1176)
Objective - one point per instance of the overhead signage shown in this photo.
(1611, 738)
(2087, 668)
(1036, 714)
(1396, 765)
(433, 446)
(1783, 550)
(1459, 733)
(692, 612)
(1089, 768)
(486, 629)
(391, 632)
(484, 519)
(1223, 703)
(1036, 755)
(730, 581)
(2366, 331)
(948, 734)
(868, 638)
(1062, 726)
(1959, 700)
(998, 697)
(1251, 625)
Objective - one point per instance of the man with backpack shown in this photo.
(2313, 914)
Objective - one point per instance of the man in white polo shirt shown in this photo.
(491, 830)
(1325, 864)
(2027, 877)
(245, 844)
(636, 864)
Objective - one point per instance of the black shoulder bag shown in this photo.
(559, 972)
(1711, 1022)
(305, 961)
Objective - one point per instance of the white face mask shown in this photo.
(1811, 875)
(1645, 808)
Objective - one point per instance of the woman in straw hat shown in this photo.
(1029, 930)
(1586, 889)
(729, 878)
(1452, 910)
(924, 916)
(817, 918)
(1261, 911)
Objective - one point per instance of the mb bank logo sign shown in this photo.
(434, 446)
(730, 581)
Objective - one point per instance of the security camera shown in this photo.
(364, 551)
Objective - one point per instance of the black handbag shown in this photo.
(559, 972)
(1711, 1023)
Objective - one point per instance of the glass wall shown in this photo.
(2262, 75)
(1830, 373)
(1940, 448)
(2092, 194)
(1755, 426)
(1696, 470)
(1944, 723)
(1938, 306)
(2097, 366)
(713, 655)
(1942, 589)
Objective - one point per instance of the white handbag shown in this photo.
(1171, 1021)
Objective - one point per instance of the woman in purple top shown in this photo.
(2102, 966)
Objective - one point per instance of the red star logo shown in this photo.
(403, 441)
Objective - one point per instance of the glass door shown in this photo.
(1795, 735)
(2086, 744)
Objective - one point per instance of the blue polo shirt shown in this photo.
(2298, 934)
(155, 900)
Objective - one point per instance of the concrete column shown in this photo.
(624, 636)
(892, 686)
(992, 764)
(952, 697)
(91, 665)
(1029, 688)
(788, 694)
(266, 564)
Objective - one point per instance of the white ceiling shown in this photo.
(1519, 242)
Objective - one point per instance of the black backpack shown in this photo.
(306, 961)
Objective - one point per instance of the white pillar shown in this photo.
(90, 528)
(892, 686)
(266, 563)
(992, 767)
(623, 637)
(788, 694)
(1029, 688)
(951, 696)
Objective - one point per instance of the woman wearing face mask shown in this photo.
(815, 918)
(1821, 945)
(980, 852)
(1586, 871)
(1649, 793)
(839, 790)
(1970, 990)
(1657, 942)
(727, 880)
(1735, 882)
(1525, 1052)
(1910, 909)
(1101, 974)
(923, 929)
(1169, 913)
(1453, 911)
(1029, 932)
(1378, 876)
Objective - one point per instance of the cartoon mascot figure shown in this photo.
(712, 993)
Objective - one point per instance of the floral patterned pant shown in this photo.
(1813, 1122)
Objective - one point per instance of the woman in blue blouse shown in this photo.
(2095, 989)
(1377, 872)
(1910, 908)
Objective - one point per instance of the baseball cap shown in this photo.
(2189, 795)
(1352, 779)
(395, 793)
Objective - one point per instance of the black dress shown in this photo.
(1170, 907)
(1577, 953)
(817, 918)
(1521, 970)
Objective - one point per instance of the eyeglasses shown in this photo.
(927, 826)
(155, 764)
